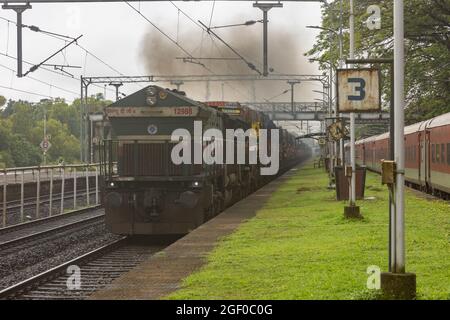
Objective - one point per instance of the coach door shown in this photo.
(425, 158)
(421, 158)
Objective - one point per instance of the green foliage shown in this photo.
(22, 130)
(427, 49)
(2, 101)
(299, 246)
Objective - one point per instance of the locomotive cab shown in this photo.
(145, 192)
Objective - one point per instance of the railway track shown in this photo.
(97, 269)
(15, 236)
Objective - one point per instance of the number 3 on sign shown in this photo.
(360, 93)
(358, 90)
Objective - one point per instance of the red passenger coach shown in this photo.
(427, 154)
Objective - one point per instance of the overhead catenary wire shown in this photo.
(249, 64)
(165, 34)
(212, 40)
(172, 40)
(53, 71)
(27, 92)
(64, 38)
(43, 82)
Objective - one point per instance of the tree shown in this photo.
(427, 49)
(2, 101)
(22, 130)
(63, 143)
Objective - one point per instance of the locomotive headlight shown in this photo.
(197, 184)
(151, 100)
(151, 91)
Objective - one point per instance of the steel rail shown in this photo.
(28, 284)
(37, 235)
(19, 226)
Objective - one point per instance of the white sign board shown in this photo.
(45, 145)
(358, 90)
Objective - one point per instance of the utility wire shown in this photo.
(165, 34)
(249, 64)
(64, 38)
(212, 39)
(25, 91)
(53, 71)
(41, 81)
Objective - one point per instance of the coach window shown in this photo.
(438, 153)
(442, 153)
(433, 154)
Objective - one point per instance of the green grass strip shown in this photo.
(299, 246)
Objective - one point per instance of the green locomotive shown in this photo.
(147, 192)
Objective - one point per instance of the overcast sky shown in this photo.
(118, 35)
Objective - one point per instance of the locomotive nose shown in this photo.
(113, 200)
(188, 199)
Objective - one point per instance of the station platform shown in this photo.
(290, 240)
(163, 273)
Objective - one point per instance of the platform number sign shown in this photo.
(358, 90)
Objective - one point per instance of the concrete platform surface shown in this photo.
(162, 273)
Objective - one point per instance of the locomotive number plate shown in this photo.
(183, 111)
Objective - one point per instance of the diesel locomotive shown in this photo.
(146, 193)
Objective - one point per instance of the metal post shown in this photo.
(5, 183)
(391, 157)
(19, 43)
(352, 197)
(117, 85)
(50, 204)
(21, 195)
(63, 176)
(87, 185)
(81, 118)
(86, 125)
(38, 192)
(265, 46)
(399, 152)
(96, 185)
(265, 7)
(397, 283)
(44, 152)
(19, 9)
(91, 141)
(75, 188)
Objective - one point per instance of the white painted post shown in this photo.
(75, 188)
(38, 192)
(50, 204)
(87, 186)
(5, 184)
(352, 115)
(399, 153)
(96, 185)
(22, 191)
(63, 176)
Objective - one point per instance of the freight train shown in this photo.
(427, 154)
(147, 193)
